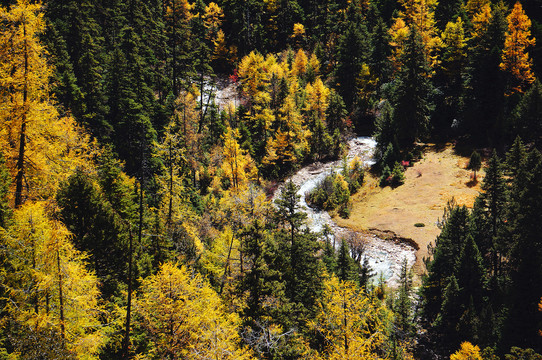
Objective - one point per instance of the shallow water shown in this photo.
(384, 256)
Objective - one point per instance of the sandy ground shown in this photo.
(429, 185)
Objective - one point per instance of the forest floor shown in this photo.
(429, 184)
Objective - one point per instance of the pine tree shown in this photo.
(447, 246)
(526, 257)
(403, 304)
(494, 198)
(483, 113)
(411, 97)
(347, 269)
(526, 119)
(352, 51)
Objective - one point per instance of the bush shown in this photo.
(334, 191)
(397, 175)
(385, 178)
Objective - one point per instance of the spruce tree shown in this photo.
(411, 98)
(526, 259)
(448, 246)
(526, 118)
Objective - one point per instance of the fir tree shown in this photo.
(411, 97)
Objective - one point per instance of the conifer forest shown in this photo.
(175, 176)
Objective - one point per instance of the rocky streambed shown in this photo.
(384, 250)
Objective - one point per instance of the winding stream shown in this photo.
(384, 256)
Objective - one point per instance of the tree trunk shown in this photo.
(60, 296)
(22, 139)
(126, 342)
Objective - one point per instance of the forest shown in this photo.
(142, 216)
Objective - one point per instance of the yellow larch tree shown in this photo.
(467, 352)
(473, 7)
(299, 67)
(480, 21)
(515, 58)
(353, 325)
(317, 95)
(49, 286)
(41, 147)
(290, 142)
(454, 48)
(420, 14)
(237, 164)
(186, 116)
(253, 78)
(185, 319)
(398, 34)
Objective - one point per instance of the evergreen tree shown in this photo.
(403, 304)
(526, 259)
(526, 117)
(493, 200)
(347, 269)
(352, 52)
(483, 115)
(411, 97)
(448, 246)
(97, 229)
(515, 158)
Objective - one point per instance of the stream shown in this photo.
(384, 256)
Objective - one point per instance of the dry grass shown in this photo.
(429, 184)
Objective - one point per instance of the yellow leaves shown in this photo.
(398, 33)
(317, 99)
(299, 66)
(51, 286)
(237, 165)
(467, 352)
(185, 319)
(299, 30)
(217, 260)
(212, 19)
(180, 8)
(515, 58)
(454, 46)
(473, 6)
(421, 15)
(480, 21)
(352, 324)
(298, 34)
(53, 146)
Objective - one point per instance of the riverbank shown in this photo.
(429, 185)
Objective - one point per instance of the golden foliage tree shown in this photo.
(237, 165)
(467, 352)
(515, 58)
(41, 147)
(185, 319)
(454, 47)
(353, 325)
(420, 14)
(317, 99)
(49, 285)
(290, 141)
(473, 6)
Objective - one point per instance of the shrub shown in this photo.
(397, 175)
(334, 191)
(385, 178)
